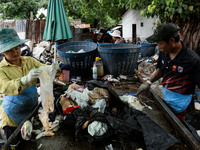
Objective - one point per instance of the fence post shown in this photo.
(37, 30)
(42, 27)
(27, 29)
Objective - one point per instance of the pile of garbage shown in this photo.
(45, 52)
(99, 114)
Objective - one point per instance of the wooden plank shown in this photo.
(18, 130)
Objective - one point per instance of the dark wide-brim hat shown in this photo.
(9, 39)
(164, 32)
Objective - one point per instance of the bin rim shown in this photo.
(72, 43)
(117, 46)
(145, 44)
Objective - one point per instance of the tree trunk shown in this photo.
(190, 34)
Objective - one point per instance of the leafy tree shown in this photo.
(108, 13)
(18, 9)
(99, 13)
(184, 13)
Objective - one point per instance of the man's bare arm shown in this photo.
(156, 75)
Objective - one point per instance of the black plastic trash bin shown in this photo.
(80, 63)
(147, 49)
(119, 58)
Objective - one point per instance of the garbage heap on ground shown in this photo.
(97, 114)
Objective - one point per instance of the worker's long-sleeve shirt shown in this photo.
(10, 81)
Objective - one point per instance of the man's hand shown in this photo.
(33, 73)
(145, 87)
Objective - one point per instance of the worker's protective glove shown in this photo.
(145, 87)
(33, 73)
(55, 66)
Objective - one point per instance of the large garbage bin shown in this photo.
(147, 49)
(80, 63)
(119, 58)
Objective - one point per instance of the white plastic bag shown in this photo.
(46, 87)
(132, 101)
(97, 128)
(100, 104)
(46, 93)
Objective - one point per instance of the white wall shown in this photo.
(133, 17)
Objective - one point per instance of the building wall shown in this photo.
(134, 17)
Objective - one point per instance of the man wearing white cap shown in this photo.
(116, 35)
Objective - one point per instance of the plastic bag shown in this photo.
(26, 130)
(132, 101)
(97, 128)
(81, 98)
(100, 104)
(146, 68)
(130, 123)
(46, 87)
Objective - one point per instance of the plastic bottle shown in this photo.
(94, 71)
(100, 69)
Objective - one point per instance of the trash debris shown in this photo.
(46, 87)
(45, 133)
(99, 93)
(14, 146)
(78, 94)
(37, 51)
(97, 128)
(76, 79)
(55, 125)
(59, 82)
(44, 51)
(132, 101)
(39, 146)
(76, 87)
(100, 104)
(26, 130)
(80, 51)
(197, 105)
(64, 76)
(109, 147)
(123, 77)
(36, 132)
(146, 68)
(67, 104)
(198, 132)
(110, 78)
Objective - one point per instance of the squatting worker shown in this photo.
(116, 36)
(178, 65)
(17, 81)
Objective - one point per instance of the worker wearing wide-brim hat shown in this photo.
(18, 76)
(178, 65)
(116, 36)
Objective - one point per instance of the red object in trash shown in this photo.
(64, 76)
(70, 109)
